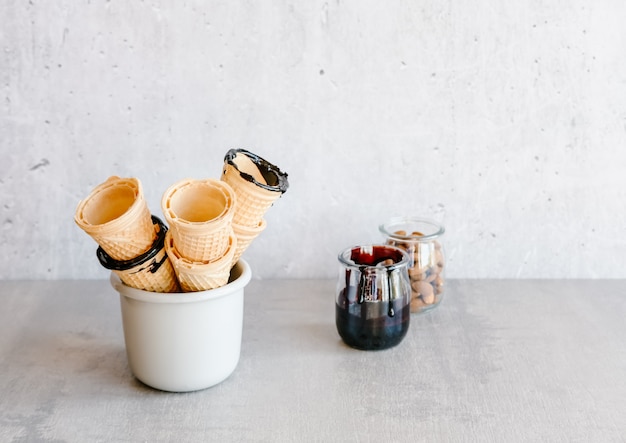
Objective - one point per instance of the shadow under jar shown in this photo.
(372, 309)
(422, 241)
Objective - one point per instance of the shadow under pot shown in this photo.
(372, 306)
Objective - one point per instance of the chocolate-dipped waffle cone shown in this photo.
(151, 271)
(256, 182)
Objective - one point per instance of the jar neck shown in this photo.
(374, 257)
(412, 229)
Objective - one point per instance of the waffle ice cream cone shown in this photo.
(200, 213)
(257, 185)
(245, 235)
(200, 276)
(151, 271)
(116, 216)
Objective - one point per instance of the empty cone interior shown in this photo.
(200, 213)
(115, 214)
(256, 170)
(197, 201)
(109, 203)
(245, 165)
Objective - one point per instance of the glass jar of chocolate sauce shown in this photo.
(372, 307)
(421, 239)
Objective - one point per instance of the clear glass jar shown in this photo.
(422, 240)
(372, 309)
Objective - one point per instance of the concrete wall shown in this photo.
(504, 120)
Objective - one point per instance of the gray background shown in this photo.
(506, 121)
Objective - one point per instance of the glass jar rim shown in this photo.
(386, 229)
(346, 261)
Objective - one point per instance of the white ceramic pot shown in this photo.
(184, 342)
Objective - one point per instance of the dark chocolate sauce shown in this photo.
(378, 323)
(275, 178)
(375, 333)
(361, 256)
(124, 265)
(153, 266)
(362, 290)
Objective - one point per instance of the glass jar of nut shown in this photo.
(422, 240)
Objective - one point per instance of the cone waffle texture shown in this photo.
(199, 214)
(156, 275)
(253, 201)
(200, 276)
(151, 271)
(116, 216)
(245, 235)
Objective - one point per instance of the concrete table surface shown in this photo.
(499, 360)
